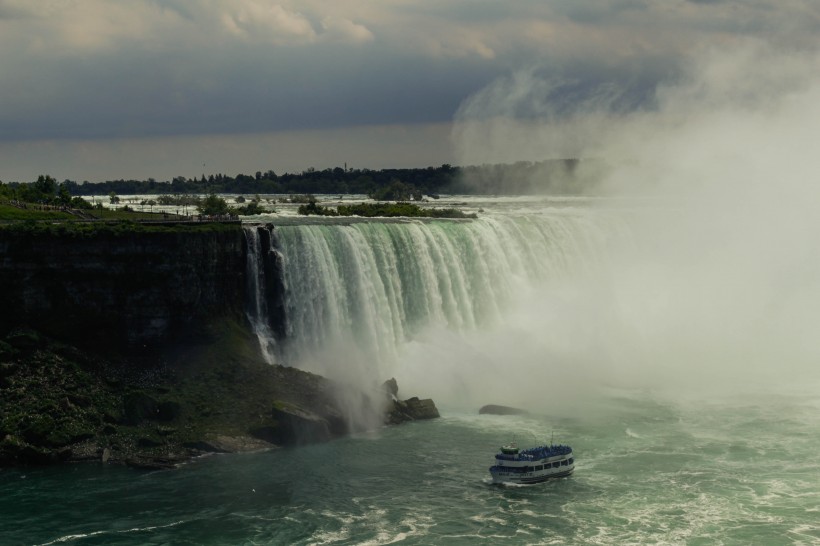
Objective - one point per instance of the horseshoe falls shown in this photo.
(357, 295)
(543, 303)
(682, 374)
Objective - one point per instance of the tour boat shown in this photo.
(532, 465)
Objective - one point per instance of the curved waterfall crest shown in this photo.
(372, 286)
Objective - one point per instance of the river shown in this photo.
(736, 472)
(677, 359)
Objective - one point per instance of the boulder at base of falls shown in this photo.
(412, 409)
(493, 409)
(391, 387)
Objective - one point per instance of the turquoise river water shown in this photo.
(648, 472)
(675, 350)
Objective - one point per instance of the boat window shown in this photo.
(556, 464)
(571, 460)
(564, 462)
(539, 467)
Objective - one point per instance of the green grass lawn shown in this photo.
(119, 214)
(9, 213)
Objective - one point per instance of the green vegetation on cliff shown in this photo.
(128, 343)
(62, 404)
(10, 213)
(121, 228)
(53, 396)
(58, 403)
(21, 211)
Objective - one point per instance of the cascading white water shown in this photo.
(257, 309)
(356, 293)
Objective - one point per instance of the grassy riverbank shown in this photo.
(14, 211)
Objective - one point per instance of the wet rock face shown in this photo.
(139, 407)
(421, 409)
(221, 443)
(133, 290)
(412, 409)
(391, 387)
(294, 425)
(59, 403)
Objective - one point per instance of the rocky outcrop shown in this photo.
(142, 354)
(221, 443)
(493, 409)
(412, 409)
(61, 404)
(293, 425)
(392, 388)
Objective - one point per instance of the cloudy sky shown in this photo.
(103, 89)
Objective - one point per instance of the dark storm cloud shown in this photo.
(140, 94)
(95, 69)
(182, 67)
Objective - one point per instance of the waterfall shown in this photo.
(263, 278)
(357, 292)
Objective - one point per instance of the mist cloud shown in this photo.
(712, 289)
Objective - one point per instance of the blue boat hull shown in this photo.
(530, 479)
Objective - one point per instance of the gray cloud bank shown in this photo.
(92, 73)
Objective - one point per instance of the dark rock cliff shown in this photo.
(127, 290)
(81, 306)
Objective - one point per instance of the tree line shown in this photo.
(44, 191)
(523, 177)
(328, 181)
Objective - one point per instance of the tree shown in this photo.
(80, 203)
(213, 205)
(251, 208)
(63, 195)
(113, 198)
(46, 186)
(396, 191)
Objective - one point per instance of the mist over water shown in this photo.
(357, 294)
(692, 272)
(716, 289)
